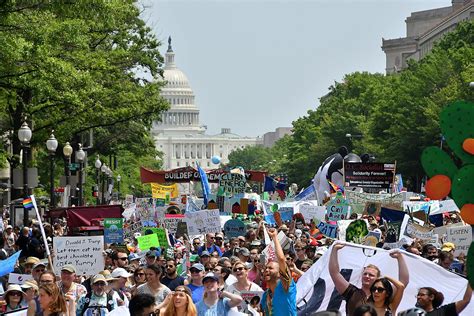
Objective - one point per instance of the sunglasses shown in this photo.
(123, 258)
(99, 283)
(239, 269)
(170, 266)
(194, 270)
(140, 274)
(218, 238)
(378, 289)
(15, 294)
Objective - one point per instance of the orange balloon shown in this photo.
(468, 145)
(438, 187)
(467, 213)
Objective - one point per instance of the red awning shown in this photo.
(82, 215)
(187, 174)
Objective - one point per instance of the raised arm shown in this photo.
(235, 299)
(460, 305)
(340, 283)
(403, 274)
(398, 295)
(280, 256)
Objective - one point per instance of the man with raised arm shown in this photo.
(280, 296)
(353, 295)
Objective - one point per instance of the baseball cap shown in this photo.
(153, 253)
(98, 278)
(120, 273)
(244, 252)
(31, 260)
(210, 276)
(205, 253)
(69, 268)
(9, 226)
(448, 246)
(133, 256)
(298, 233)
(39, 264)
(198, 266)
(30, 284)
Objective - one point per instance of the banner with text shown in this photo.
(85, 253)
(203, 222)
(369, 175)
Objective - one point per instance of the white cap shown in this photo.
(120, 273)
(298, 233)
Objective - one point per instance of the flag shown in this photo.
(191, 205)
(27, 203)
(183, 267)
(307, 194)
(206, 190)
(336, 188)
(269, 185)
(8, 265)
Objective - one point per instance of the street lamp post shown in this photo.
(67, 151)
(51, 145)
(118, 186)
(97, 166)
(103, 168)
(80, 155)
(24, 135)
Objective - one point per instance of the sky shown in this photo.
(255, 65)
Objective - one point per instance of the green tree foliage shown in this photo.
(397, 115)
(73, 66)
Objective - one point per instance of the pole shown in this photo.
(25, 184)
(103, 189)
(79, 202)
(97, 202)
(68, 175)
(51, 179)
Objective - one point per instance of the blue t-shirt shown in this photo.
(197, 292)
(210, 249)
(221, 308)
(283, 303)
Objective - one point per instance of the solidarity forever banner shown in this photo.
(369, 175)
(316, 292)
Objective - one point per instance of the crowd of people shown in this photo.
(213, 275)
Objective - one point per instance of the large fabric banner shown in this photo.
(159, 191)
(316, 292)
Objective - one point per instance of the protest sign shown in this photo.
(372, 208)
(337, 208)
(247, 297)
(369, 175)
(16, 278)
(113, 230)
(393, 231)
(384, 198)
(429, 207)
(203, 222)
(132, 228)
(159, 191)
(460, 236)
(144, 209)
(148, 241)
(356, 231)
(171, 222)
(310, 210)
(162, 237)
(414, 230)
(234, 228)
(307, 194)
(372, 239)
(232, 184)
(181, 229)
(342, 227)
(316, 291)
(84, 252)
(328, 230)
(446, 206)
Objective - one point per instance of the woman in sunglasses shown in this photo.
(383, 298)
(243, 283)
(138, 279)
(180, 303)
(14, 298)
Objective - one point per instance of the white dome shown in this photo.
(175, 78)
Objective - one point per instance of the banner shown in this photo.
(310, 210)
(316, 292)
(373, 175)
(159, 191)
(429, 207)
(113, 230)
(460, 236)
(15, 278)
(84, 252)
(171, 222)
(203, 222)
(232, 184)
(328, 230)
(384, 198)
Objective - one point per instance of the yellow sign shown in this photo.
(159, 191)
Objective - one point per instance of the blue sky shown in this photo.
(257, 65)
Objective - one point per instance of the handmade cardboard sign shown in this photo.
(337, 208)
(84, 252)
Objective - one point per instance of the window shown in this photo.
(177, 163)
(208, 164)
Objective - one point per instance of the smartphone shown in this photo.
(262, 258)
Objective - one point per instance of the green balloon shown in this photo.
(463, 186)
(470, 264)
(435, 161)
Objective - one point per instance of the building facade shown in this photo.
(423, 29)
(270, 138)
(180, 135)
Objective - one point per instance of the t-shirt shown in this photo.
(354, 298)
(97, 304)
(197, 292)
(283, 303)
(445, 310)
(76, 290)
(221, 308)
(172, 283)
(159, 296)
(210, 249)
(253, 288)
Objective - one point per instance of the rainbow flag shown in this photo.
(336, 188)
(27, 203)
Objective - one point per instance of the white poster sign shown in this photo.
(316, 292)
(203, 222)
(429, 207)
(461, 237)
(15, 278)
(310, 210)
(84, 252)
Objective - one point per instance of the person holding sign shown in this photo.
(280, 297)
(353, 295)
(430, 300)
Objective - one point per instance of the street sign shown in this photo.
(73, 166)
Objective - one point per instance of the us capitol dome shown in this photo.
(179, 134)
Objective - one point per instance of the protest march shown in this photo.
(353, 245)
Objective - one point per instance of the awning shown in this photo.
(82, 215)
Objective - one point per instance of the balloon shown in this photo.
(467, 213)
(216, 160)
(468, 145)
(438, 187)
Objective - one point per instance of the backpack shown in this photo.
(88, 300)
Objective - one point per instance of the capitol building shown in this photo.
(180, 135)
